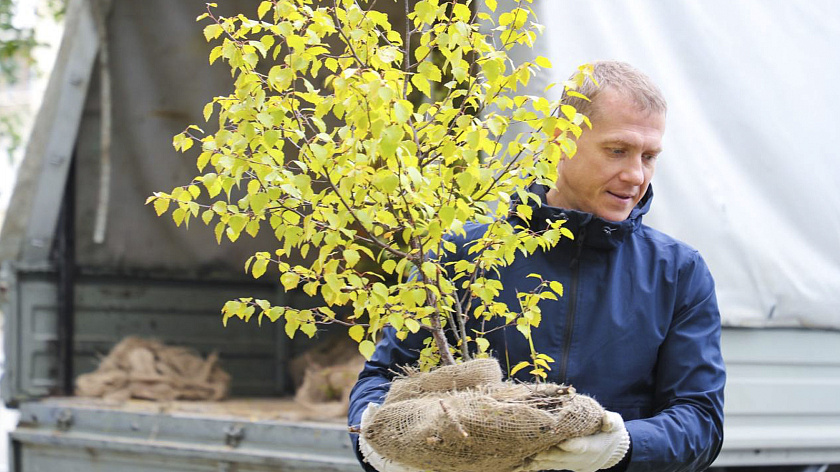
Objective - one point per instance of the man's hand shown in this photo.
(588, 453)
(371, 457)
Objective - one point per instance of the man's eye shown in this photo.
(650, 157)
(617, 151)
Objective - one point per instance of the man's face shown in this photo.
(615, 160)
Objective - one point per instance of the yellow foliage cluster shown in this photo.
(348, 139)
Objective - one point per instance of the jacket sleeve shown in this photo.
(375, 379)
(686, 432)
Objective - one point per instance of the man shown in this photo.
(638, 327)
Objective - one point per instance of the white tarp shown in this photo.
(749, 175)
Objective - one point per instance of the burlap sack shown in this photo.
(149, 370)
(464, 418)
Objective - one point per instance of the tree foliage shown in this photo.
(17, 61)
(349, 139)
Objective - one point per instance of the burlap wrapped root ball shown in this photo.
(464, 418)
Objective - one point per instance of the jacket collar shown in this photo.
(589, 230)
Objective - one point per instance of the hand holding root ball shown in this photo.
(465, 418)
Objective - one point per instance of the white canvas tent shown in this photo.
(749, 175)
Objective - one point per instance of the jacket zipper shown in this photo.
(570, 321)
(570, 316)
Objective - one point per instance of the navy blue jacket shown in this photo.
(637, 328)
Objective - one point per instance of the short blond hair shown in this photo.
(621, 77)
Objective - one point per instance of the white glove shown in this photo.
(372, 457)
(588, 453)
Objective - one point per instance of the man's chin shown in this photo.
(613, 216)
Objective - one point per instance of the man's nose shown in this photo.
(634, 171)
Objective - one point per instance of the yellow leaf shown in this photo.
(263, 9)
(543, 62)
(546, 357)
(253, 186)
(396, 320)
(572, 93)
(567, 233)
(212, 31)
(309, 329)
(258, 269)
(422, 84)
(367, 348)
(421, 52)
(161, 205)
(403, 110)
(289, 280)
(351, 256)
(357, 332)
(387, 54)
(215, 54)
(557, 287)
(519, 367)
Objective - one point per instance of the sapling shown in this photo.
(351, 139)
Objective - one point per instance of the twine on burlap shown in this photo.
(464, 418)
(149, 370)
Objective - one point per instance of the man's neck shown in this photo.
(553, 198)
